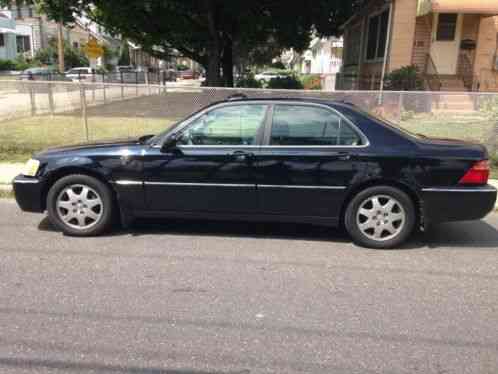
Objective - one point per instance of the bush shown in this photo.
(287, 83)
(406, 78)
(21, 63)
(73, 57)
(7, 65)
(248, 81)
(311, 81)
(181, 67)
(278, 65)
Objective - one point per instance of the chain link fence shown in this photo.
(36, 115)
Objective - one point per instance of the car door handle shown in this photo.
(242, 156)
(344, 156)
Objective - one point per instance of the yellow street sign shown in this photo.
(93, 49)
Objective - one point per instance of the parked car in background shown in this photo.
(284, 160)
(81, 74)
(188, 74)
(266, 76)
(40, 73)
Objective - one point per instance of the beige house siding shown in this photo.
(486, 52)
(422, 42)
(403, 33)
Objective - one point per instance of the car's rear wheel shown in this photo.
(80, 205)
(380, 217)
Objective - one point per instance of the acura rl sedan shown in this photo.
(284, 160)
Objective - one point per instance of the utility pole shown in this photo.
(60, 47)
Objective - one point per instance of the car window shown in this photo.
(232, 125)
(310, 126)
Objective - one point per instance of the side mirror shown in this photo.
(170, 143)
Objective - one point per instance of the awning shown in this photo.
(4, 30)
(486, 7)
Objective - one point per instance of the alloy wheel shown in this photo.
(380, 217)
(79, 206)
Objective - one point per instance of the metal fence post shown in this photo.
(122, 88)
(136, 83)
(103, 92)
(84, 114)
(32, 99)
(51, 103)
(400, 103)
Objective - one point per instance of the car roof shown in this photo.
(315, 100)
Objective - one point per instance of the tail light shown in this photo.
(477, 174)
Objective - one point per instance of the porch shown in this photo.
(457, 51)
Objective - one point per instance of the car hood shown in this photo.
(107, 144)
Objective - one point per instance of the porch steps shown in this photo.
(452, 83)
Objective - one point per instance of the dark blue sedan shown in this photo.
(285, 160)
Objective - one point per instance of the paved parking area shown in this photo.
(198, 298)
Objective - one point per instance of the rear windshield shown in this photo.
(389, 123)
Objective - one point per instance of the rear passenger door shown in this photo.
(306, 162)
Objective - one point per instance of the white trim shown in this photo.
(128, 183)
(485, 189)
(26, 181)
(201, 184)
(301, 187)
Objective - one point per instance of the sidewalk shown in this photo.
(10, 171)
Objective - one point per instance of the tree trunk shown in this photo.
(60, 48)
(213, 77)
(228, 62)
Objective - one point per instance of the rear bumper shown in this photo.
(28, 193)
(446, 204)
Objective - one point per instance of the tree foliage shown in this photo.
(214, 33)
(73, 57)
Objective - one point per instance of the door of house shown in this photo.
(445, 46)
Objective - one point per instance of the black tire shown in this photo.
(105, 210)
(352, 218)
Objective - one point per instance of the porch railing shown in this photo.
(431, 75)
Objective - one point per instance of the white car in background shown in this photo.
(266, 76)
(81, 74)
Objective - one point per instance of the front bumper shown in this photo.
(444, 204)
(28, 193)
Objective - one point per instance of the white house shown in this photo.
(8, 46)
(324, 56)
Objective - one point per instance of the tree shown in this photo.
(210, 32)
(124, 54)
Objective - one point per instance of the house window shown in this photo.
(377, 35)
(23, 43)
(2, 40)
(446, 27)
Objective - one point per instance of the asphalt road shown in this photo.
(198, 298)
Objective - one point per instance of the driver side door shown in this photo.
(210, 170)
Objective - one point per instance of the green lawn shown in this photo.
(22, 137)
(453, 126)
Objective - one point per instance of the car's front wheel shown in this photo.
(80, 205)
(380, 217)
